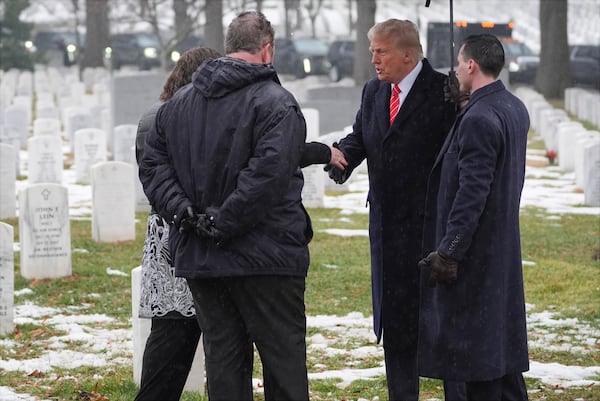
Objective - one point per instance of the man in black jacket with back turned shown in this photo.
(228, 148)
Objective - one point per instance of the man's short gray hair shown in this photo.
(248, 32)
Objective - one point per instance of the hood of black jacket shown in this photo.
(218, 77)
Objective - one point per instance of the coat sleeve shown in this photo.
(158, 176)
(315, 153)
(479, 144)
(352, 145)
(264, 183)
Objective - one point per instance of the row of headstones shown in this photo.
(44, 225)
(583, 104)
(45, 162)
(575, 148)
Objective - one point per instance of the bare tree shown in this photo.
(213, 30)
(552, 76)
(97, 29)
(186, 21)
(363, 70)
(313, 7)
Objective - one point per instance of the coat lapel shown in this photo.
(382, 104)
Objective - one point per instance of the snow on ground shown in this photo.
(547, 188)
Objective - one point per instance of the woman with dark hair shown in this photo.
(166, 299)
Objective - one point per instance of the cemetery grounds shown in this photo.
(73, 340)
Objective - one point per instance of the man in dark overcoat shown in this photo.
(399, 156)
(473, 325)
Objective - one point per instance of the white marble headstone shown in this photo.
(8, 177)
(45, 159)
(313, 191)
(582, 140)
(566, 132)
(44, 231)
(16, 122)
(113, 202)
(76, 118)
(46, 126)
(591, 174)
(89, 149)
(7, 279)
(123, 139)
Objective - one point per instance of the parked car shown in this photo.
(585, 65)
(301, 57)
(341, 58)
(56, 47)
(139, 49)
(520, 61)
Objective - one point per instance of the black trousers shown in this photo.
(168, 357)
(267, 311)
(510, 387)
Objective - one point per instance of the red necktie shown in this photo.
(394, 103)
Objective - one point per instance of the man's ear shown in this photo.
(267, 53)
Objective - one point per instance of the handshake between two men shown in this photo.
(200, 224)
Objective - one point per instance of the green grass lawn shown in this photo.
(562, 276)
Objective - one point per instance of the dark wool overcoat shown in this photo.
(229, 144)
(474, 329)
(399, 159)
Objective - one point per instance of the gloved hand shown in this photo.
(443, 268)
(185, 221)
(452, 93)
(337, 175)
(205, 228)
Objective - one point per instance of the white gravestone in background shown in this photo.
(113, 202)
(76, 118)
(582, 139)
(7, 279)
(591, 173)
(141, 331)
(46, 126)
(44, 231)
(123, 140)
(45, 159)
(314, 185)
(566, 132)
(90, 148)
(16, 121)
(8, 177)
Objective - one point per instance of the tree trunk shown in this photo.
(182, 23)
(363, 69)
(97, 30)
(213, 30)
(553, 76)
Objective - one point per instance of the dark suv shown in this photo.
(301, 57)
(57, 47)
(341, 58)
(139, 49)
(585, 65)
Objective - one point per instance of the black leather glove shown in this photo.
(452, 93)
(443, 268)
(337, 175)
(205, 228)
(185, 221)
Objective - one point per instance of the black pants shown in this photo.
(510, 387)
(168, 357)
(267, 311)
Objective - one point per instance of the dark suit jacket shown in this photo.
(399, 159)
(474, 329)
